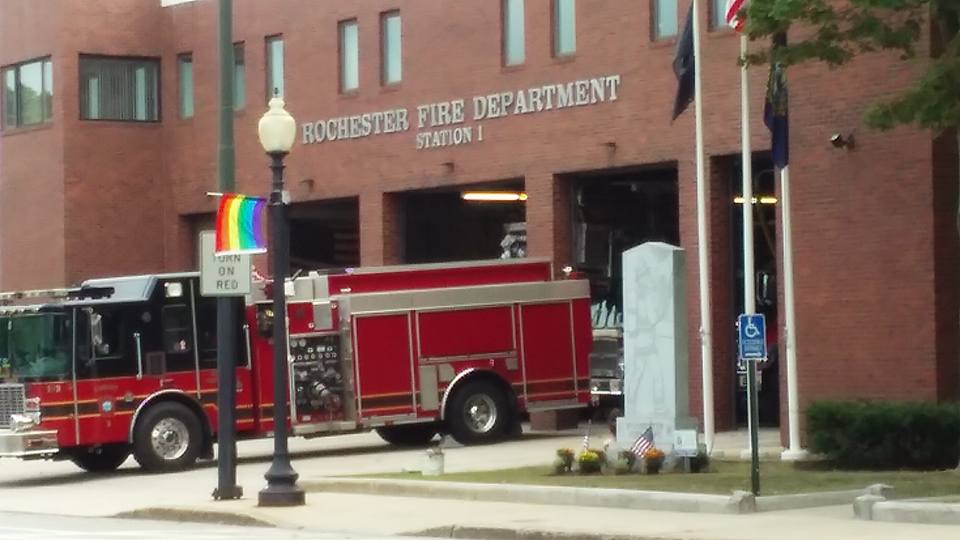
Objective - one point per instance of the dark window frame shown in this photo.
(159, 86)
(46, 110)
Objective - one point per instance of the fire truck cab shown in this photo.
(128, 365)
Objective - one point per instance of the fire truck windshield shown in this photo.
(35, 346)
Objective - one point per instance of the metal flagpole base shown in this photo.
(795, 455)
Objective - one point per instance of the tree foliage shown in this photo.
(835, 32)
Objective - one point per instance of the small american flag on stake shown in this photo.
(643, 443)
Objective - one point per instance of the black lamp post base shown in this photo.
(281, 496)
(228, 493)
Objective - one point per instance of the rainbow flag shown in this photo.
(240, 224)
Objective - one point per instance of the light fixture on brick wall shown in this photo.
(839, 141)
(449, 166)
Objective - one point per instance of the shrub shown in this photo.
(589, 462)
(565, 458)
(885, 435)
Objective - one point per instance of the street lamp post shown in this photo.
(277, 130)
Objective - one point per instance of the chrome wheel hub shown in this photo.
(170, 438)
(480, 413)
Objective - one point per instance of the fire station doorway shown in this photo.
(764, 282)
(463, 223)
(613, 211)
(324, 234)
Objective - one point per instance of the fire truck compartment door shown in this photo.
(384, 360)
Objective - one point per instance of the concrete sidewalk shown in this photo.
(472, 519)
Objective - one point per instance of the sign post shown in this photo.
(752, 348)
(225, 277)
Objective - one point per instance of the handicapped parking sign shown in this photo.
(753, 337)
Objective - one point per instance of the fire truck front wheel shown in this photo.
(478, 413)
(168, 437)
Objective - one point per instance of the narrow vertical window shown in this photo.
(185, 74)
(664, 18)
(514, 32)
(564, 27)
(349, 55)
(391, 36)
(47, 89)
(239, 78)
(274, 66)
(718, 14)
(10, 97)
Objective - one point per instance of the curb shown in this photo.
(737, 503)
(797, 501)
(196, 516)
(936, 513)
(492, 533)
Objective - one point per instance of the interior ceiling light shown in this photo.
(761, 200)
(493, 196)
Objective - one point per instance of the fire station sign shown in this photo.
(222, 275)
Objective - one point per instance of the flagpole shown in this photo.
(749, 293)
(703, 244)
(794, 452)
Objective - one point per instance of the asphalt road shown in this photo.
(37, 527)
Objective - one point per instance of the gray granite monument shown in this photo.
(656, 363)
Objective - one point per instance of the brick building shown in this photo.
(109, 144)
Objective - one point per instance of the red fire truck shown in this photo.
(128, 365)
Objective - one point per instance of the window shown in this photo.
(185, 73)
(718, 14)
(391, 38)
(124, 89)
(239, 78)
(349, 55)
(274, 66)
(28, 93)
(664, 18)
(514, 34)
(564, 27)
(177, 333)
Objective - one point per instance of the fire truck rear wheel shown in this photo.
(167, 438)
(106, 458)
(408, 435)
(478, 413)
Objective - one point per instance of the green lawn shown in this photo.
(776, 478)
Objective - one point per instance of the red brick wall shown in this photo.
(31, 158)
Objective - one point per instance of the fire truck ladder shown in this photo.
(57, 295)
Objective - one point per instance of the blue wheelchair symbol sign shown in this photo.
(753, 337)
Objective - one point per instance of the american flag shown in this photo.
(734, 7)
(643, 443)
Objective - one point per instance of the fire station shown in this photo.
(487, 130)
